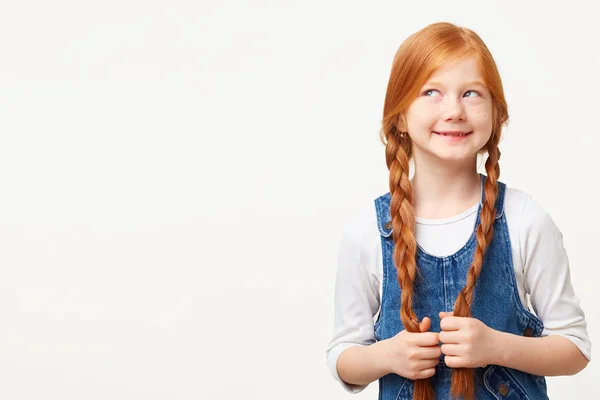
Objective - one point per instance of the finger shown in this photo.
(454, 362)
(426, 364)
(431, 352)
(452, 337)
(450, 349)
(444, 314)
(426, 373)
(451, 323)
(425, 325)
(427, 339)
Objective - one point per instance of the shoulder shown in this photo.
(360, 226)
(361, 239)
(521, 206)
(530, 221)
(515, 201)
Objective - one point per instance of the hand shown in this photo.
(466, 342)
(413, 355)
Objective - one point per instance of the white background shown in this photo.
(175, 176)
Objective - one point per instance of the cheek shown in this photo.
(481, 115)
(420, 116)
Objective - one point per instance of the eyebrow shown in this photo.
(472, 83)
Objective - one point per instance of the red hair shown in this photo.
(416, 59)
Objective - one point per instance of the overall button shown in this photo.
(528, 332)
(503, 390)
(388, 225)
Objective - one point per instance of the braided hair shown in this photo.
(416, 59)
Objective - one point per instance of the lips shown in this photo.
(453, 133)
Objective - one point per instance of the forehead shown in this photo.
(464, 69)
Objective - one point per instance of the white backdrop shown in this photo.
(175, 176)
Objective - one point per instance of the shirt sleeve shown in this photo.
(356, 298)
(547, 278)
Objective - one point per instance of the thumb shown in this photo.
(445, 314)
(425, 324)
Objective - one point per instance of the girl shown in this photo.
(434, 278)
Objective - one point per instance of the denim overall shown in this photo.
(496, 302)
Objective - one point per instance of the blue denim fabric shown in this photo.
(496, 302)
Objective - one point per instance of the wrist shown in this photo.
(499, 347)
(379, 356)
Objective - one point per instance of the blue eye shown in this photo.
(428, 91)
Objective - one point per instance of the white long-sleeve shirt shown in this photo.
(539, 257)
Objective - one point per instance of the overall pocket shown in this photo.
(503, 385)
(406, 390)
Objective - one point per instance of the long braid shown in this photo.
(405, 244)
(463, 378)
(416, 60)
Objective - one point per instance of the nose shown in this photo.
(453, 110)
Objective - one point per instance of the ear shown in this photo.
(401, 123)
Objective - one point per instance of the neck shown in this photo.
(442, 192)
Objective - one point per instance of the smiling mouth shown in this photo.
(453, 134)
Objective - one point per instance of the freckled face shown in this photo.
(451, 119)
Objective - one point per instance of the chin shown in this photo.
(450, 153)
(456, 155)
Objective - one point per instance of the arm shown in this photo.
(564, 348)
(469, 343)
(356, 301)
(411, 355)
(546, 356)
(360, 365)
(354, 357)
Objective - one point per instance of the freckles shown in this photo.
(480, 113)
(427, 112)
(423, 113)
